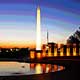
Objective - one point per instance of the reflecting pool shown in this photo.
(18, 68)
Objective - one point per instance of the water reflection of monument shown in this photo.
(45, 68)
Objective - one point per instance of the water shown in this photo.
(18, 68)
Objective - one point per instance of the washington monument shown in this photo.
(38, 30)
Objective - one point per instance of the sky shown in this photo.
(18, 21)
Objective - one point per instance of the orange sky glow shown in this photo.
(17, 45)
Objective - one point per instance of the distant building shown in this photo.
(51, 45)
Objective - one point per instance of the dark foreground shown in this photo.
(72, 71)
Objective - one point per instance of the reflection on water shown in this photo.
(38, 69)
(17, 68)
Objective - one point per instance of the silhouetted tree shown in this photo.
(75, 38)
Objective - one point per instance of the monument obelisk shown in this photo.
(38, 30)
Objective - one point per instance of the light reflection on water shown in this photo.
(17, 68)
